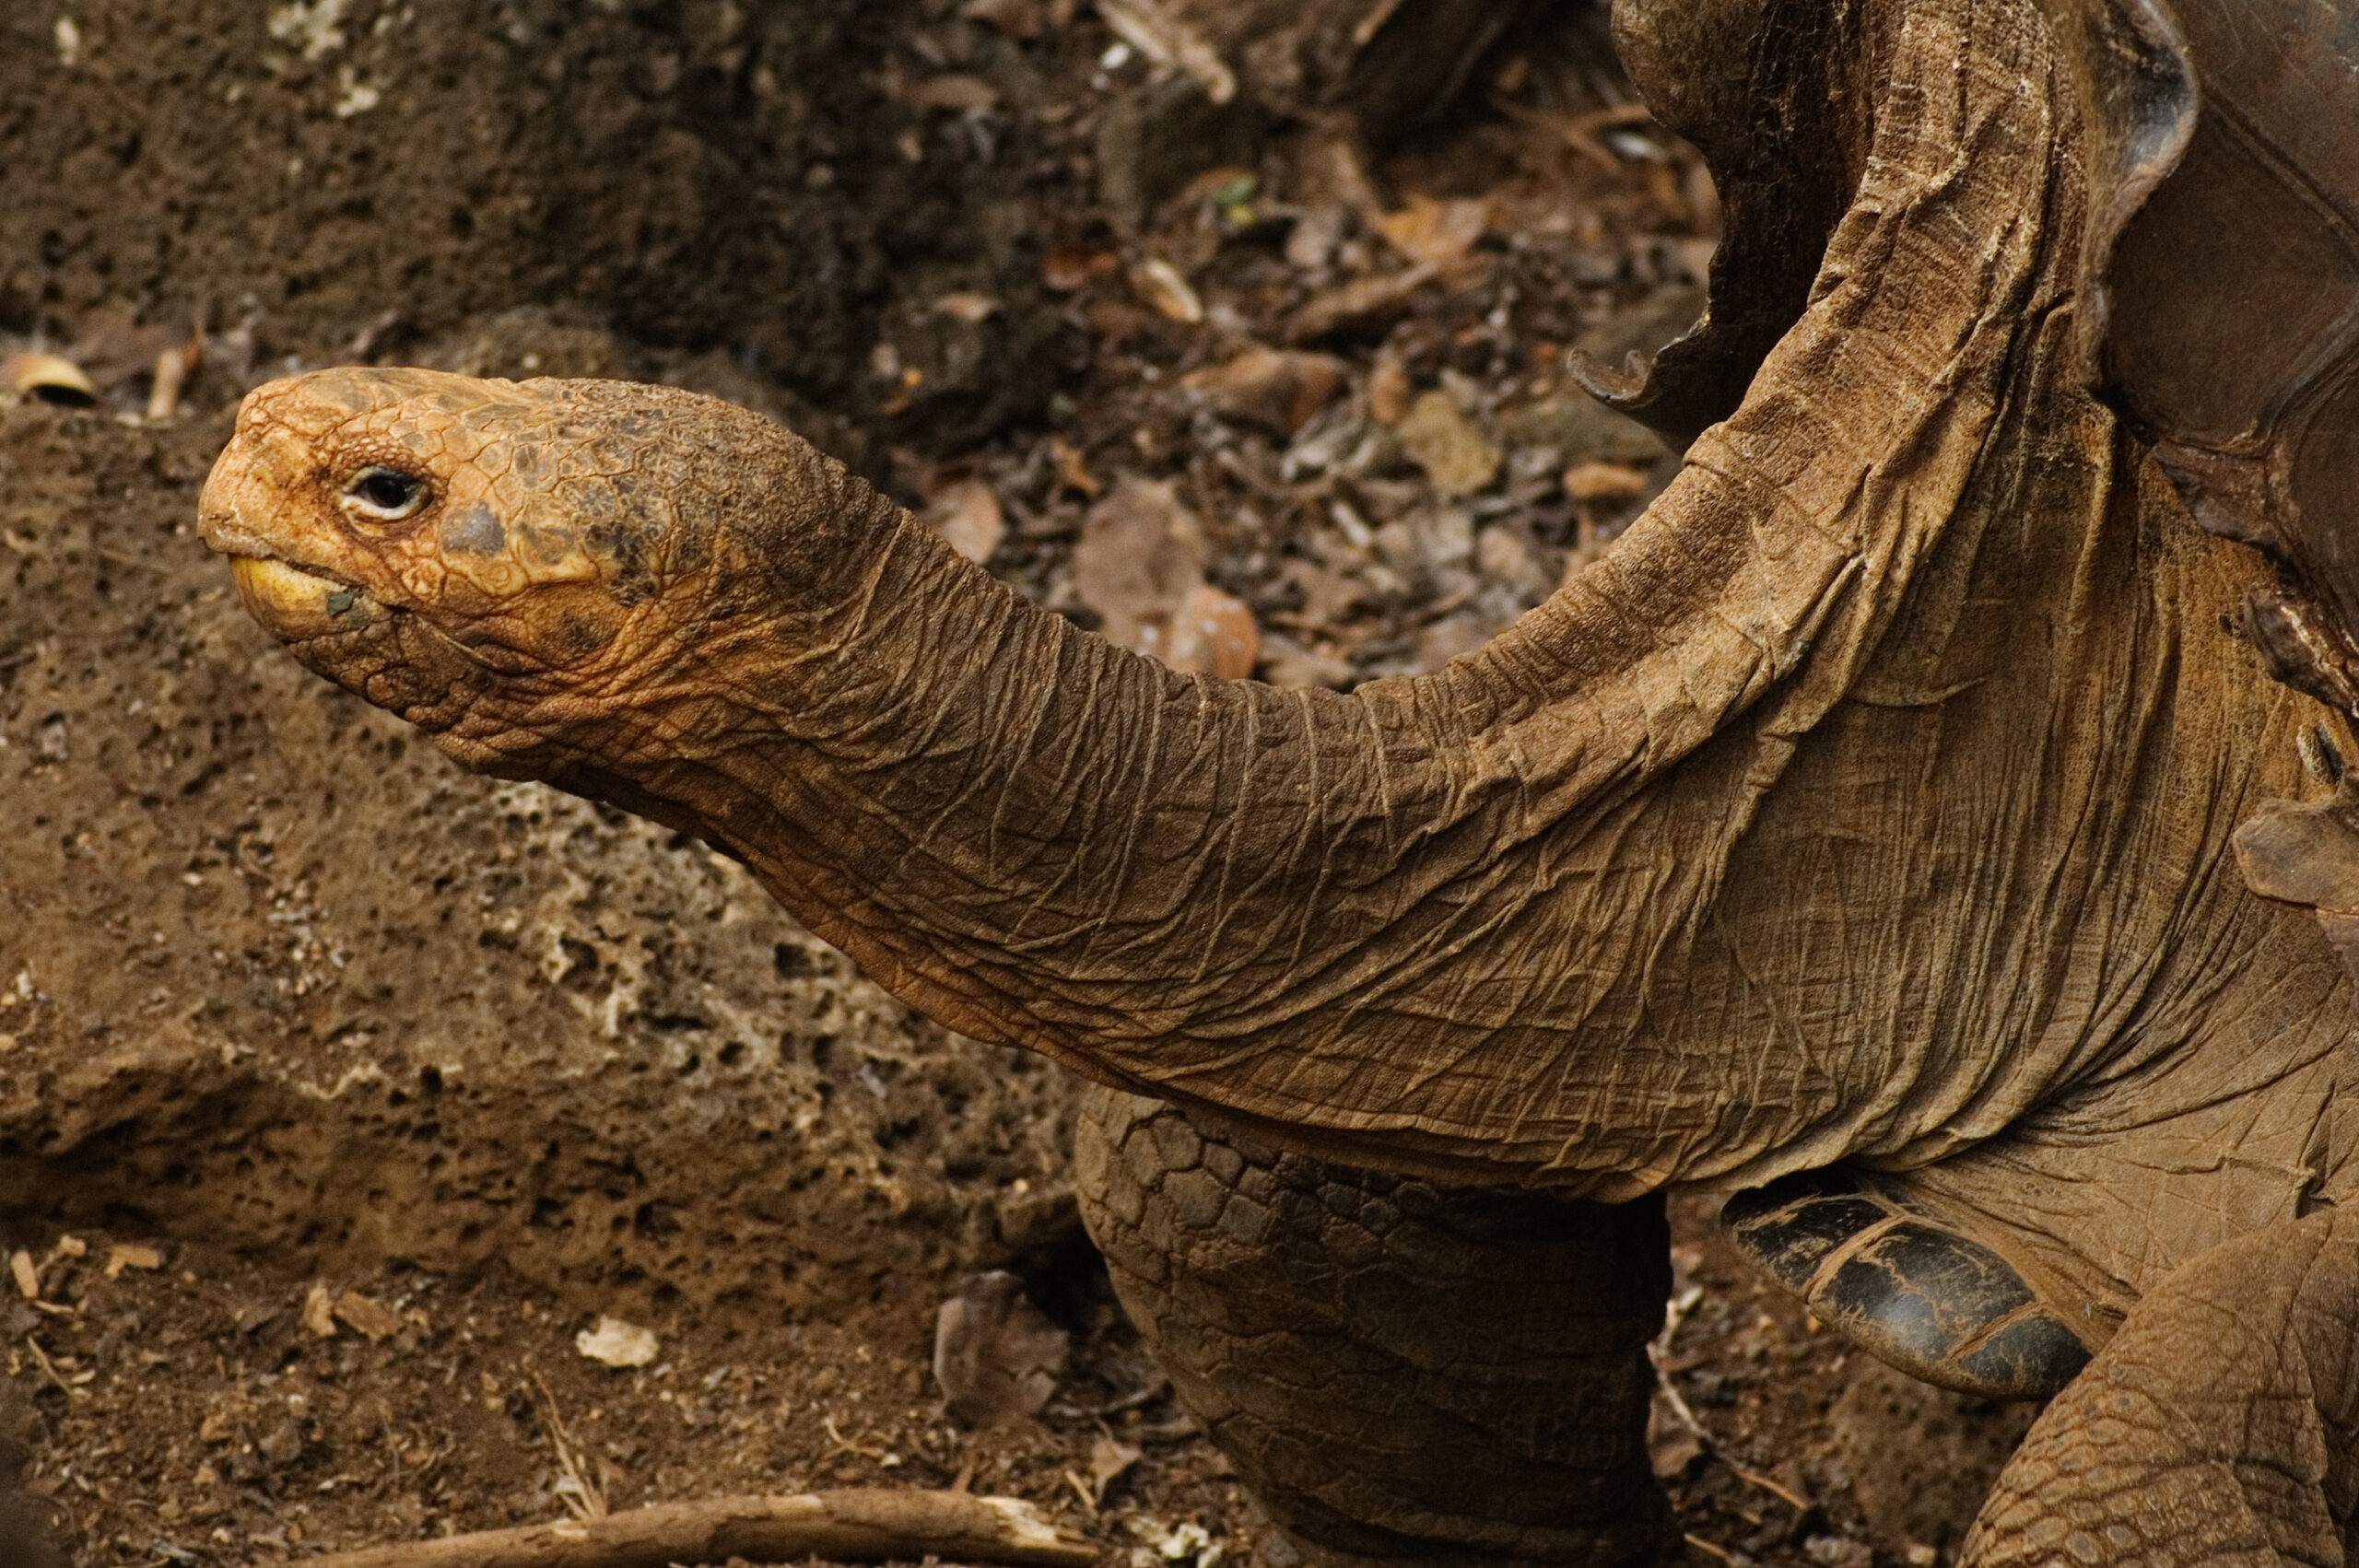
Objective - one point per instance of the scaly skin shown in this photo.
(2215, 1432)
(1871, 801)
(1479, 1354)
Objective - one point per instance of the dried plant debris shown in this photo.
(52, 377)
(997, 1357)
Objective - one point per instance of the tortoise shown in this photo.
(1923, 822)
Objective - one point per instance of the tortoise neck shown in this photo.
(1029, 834)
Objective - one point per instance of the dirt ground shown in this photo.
(340, 1090)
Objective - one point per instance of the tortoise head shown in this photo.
(499, 562)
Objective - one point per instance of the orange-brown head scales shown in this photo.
(501, 563)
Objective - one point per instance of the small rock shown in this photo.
(319, 1310)
(283, 1444)
(617, 1343)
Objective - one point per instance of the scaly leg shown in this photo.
(2216, 1428)
(1401, 1372)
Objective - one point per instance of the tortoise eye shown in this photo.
(386, 495)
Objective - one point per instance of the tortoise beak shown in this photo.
(296, 605)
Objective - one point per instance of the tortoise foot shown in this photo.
(1910, 1287)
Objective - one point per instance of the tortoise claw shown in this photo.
(1908, 1288)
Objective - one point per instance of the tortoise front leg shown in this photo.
(1401, 1372)
(2216, 1428)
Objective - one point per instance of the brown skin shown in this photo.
(1871, 801)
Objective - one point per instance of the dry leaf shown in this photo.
(1288, 663)
(319, 1310)
(1073, 469)
(1387, 388)
(954, 91)
(1159, 285)
(1672, 1446)
(1436, 233)
(618, 1344)
(1501, 555)
(20, 1269)
(1448, 637)
(967, 308)
(1141, 553)
(1603, 482)
(967, 516)
(371, 1321)
(1278, 389)
(996, 1355)
(1064, 270)
(1212, 633)
(1354, 307)
(1325, 594)
(1107, 1460)
(1017, 19)
(1166, 41)
(1457, 457)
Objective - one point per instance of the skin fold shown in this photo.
(1870, 801)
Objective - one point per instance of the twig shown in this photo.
(583, 1498)
(1659, 1352)
(41, 1359)
(846, 1445)
(856, 1524)
(1770, 1484)
(1146, 1396)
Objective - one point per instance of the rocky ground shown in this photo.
(340, 1093)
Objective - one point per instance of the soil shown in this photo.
(340, 1090)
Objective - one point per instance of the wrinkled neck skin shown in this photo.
(1875, 787)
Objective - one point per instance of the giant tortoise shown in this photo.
(1930, 821)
